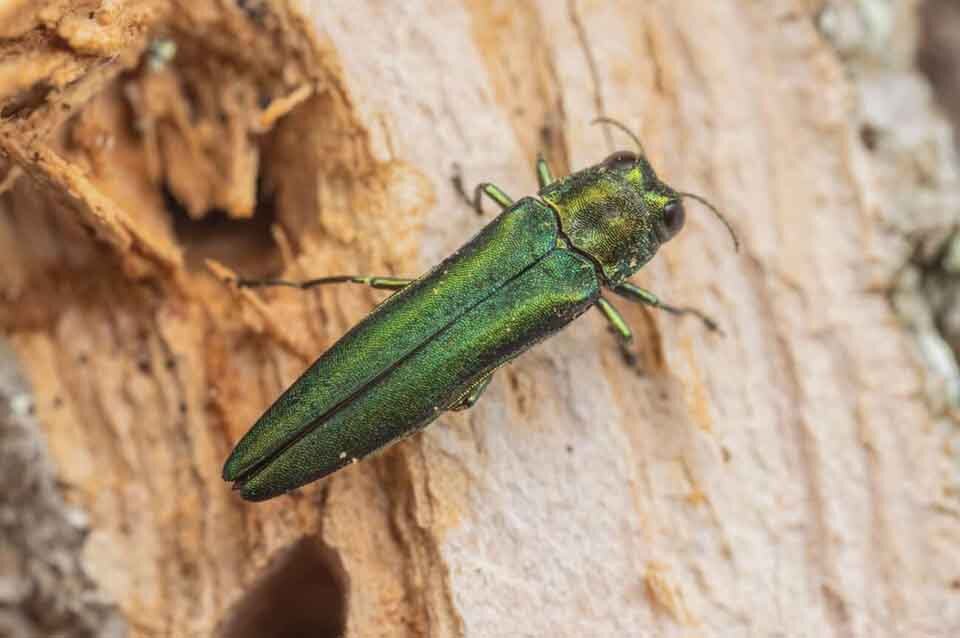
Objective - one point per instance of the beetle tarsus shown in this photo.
(708, 322)
(629, 358)
(374, 281)
(492, 191)
(457, 180)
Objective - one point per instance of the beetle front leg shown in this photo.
(382, 283)
(492, 191)
(619, 325)
(641, 295)
(469, 399)
(544, 174)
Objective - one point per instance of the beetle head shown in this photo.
(617, 212)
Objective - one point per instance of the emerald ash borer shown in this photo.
(437, 341)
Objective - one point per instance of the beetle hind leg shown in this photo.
(470, 398)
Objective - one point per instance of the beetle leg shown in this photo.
(641, 295)
(473, 394)
(493, 192)
(484, 188)
(544, 175)
(383, 283)
(619, 325)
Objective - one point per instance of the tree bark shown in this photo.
(795, 477)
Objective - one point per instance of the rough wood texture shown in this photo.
(789, 479)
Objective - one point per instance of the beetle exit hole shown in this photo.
(302, 593)
(244, 245)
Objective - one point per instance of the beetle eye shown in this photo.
(673, 218)
(621, 159)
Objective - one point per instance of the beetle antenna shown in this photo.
(733, 235)
(622, 127)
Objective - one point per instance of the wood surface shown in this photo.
(790, 478)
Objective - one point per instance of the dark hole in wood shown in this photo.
(301, 595)
(244, 245)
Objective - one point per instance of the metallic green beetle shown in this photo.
(435, 344)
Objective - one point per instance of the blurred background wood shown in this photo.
(797, 477)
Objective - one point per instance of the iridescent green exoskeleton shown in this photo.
(435, 344)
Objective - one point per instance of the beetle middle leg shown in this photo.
(641, 295)
(472, 395)
(382, 283)
(619, 325)
(492, 191)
